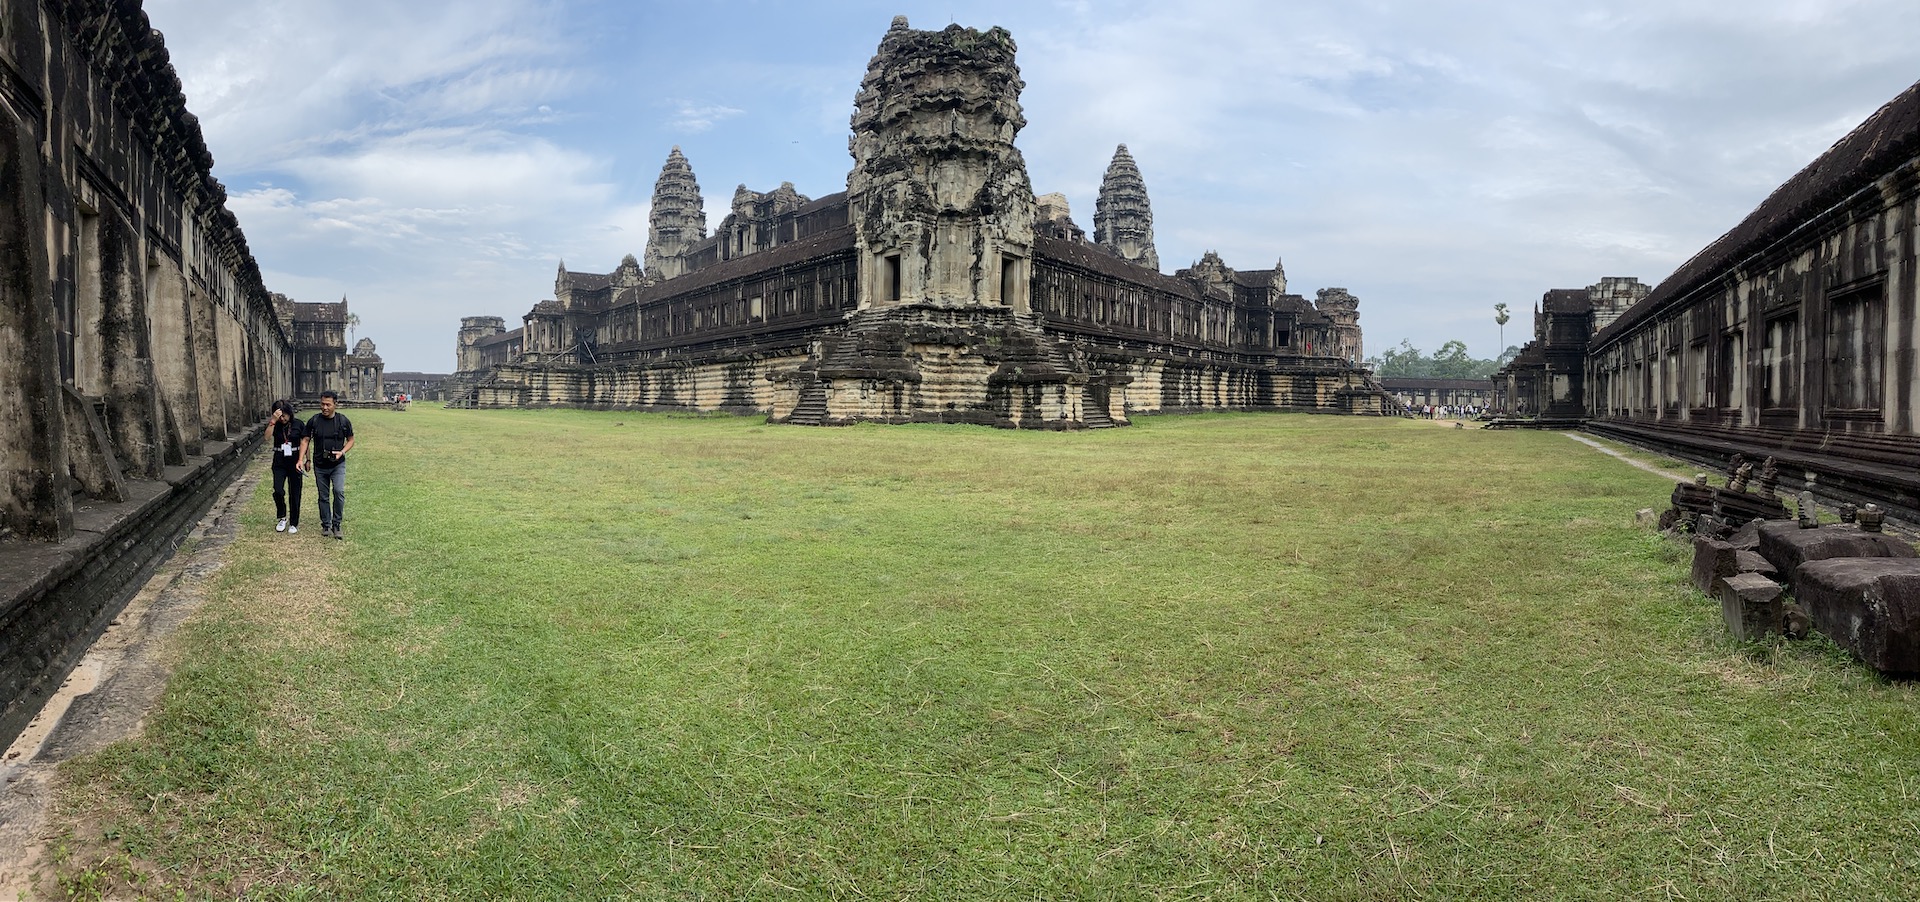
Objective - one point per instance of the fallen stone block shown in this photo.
(1789, 547)
(1869, 606)
(1754, 562)
(1712, 560)
(1751, 605)
(1747, 536)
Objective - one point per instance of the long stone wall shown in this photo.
(1795, 335)
(56, 598)
(138, 345)
(125, 278)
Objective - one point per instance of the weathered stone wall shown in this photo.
(127, 279)
(939, 198)
(138, 345)
(56, 598)
(748, 384)
(1795, 335)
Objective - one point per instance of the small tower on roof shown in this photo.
(1122, 218)
(678, 220)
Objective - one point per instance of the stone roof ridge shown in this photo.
(319, 311)
(501, 337)
(132, 56)
(1566, 300)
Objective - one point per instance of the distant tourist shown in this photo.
(330, 436)
(287, 443)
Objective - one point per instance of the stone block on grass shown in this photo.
(1747, 537)
(1712, 560)
(1752, 562)
(1789, 547)
(1869, 606)
(1751, 605)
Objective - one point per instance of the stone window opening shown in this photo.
(1856, 351)
(890, 276)
(84, 351)
(1728, 387)
(1777, 361)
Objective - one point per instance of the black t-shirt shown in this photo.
(286, 443)
(327, 436)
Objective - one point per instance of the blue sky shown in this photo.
(432, 160)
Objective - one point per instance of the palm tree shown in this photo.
(1500, 316)
(353, 322)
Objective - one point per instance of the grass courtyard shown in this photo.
(591, 655)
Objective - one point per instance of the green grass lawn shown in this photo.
(586, 655)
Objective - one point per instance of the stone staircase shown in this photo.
(467, 399)
(812, 409)
(1093, 411)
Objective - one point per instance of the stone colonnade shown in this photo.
(134, 327)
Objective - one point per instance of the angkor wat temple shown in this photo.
(936, 288)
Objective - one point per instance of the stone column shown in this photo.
(206, 362)
(173, 361)
(35, 498)
(126, 349)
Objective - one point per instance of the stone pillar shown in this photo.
(173, 362)
(205, 324)
(35, 497)
(126, 344)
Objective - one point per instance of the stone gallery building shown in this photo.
(139, 349)
(1793, 335)
(321, 361)
(1415, 392)
(1548, 378)
(937, 287)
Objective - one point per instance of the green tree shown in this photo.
(1403, 362)
(1453, 362)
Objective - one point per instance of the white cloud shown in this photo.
(695, 118)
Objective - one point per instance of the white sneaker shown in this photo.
(282, 527)
(293, 529)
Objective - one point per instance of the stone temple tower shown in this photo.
(939, 197)
(678, 220)
(472, 330)
(1342, 311)
(1122, 219)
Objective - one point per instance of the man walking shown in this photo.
(329, 438)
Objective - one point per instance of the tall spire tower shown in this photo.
(1122, 219)
(678, 220)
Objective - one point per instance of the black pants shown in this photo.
(287, 483)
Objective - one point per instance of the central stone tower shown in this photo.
(1122, 218)
(678, 220)
(939, 198)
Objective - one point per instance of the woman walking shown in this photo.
(287, 439)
